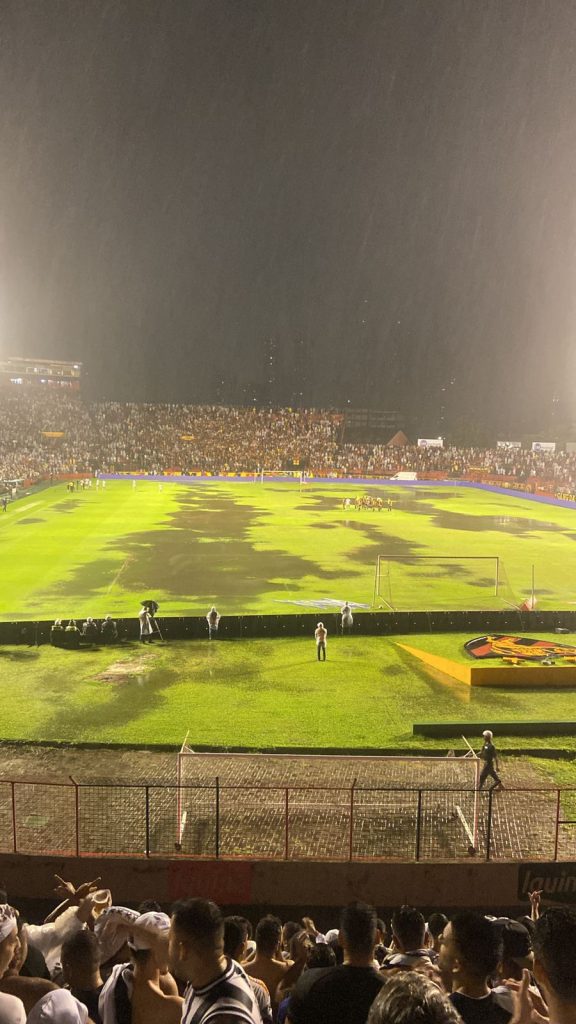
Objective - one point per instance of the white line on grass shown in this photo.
(32, 504)
(118, 574)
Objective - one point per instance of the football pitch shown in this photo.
(278, 548)
(261, 694)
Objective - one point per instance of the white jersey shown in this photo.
(48, 938)
(122, 974)
(230, 995)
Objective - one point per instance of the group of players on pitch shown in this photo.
(368, 501)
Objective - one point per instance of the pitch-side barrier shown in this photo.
(232, 627)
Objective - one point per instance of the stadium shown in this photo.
(287, 513)
(234, 749)
(431, 546)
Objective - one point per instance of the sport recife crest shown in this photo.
(502, 645)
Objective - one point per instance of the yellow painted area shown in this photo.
(533, 677)
(526, 676)
(451, 668)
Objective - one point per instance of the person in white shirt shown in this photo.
(321, 635)
(136, 985)
(11, 1008)
(213, 620)
(146, 626)
(347, 618)
(218, 988)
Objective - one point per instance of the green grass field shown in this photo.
(266, 549)
(257, 693)
(271, 548)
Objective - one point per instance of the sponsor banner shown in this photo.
(543, 446)
(186, 437)
(508, 444)
(430, 442)
(502, 645)
(222, 882)
(52, 433)
(557, 881)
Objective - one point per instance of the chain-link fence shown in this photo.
(340, 823)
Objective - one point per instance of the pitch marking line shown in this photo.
(25, 508)
(119, 573)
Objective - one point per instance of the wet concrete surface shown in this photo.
(56, 764)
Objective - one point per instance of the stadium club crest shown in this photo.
(501, 645)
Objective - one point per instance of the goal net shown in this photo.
(262, 476)
(333, 807)
(441, 583)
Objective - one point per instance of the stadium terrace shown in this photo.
(44, 435)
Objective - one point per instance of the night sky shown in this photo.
(317, 201)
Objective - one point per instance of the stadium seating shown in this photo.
(45, 435)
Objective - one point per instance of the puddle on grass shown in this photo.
(66, 506)
(122, 671)
(206, 549)
(515, 525)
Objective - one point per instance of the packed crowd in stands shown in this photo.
(47, 434)
(110, 437)
(517, 463)
(92, 960)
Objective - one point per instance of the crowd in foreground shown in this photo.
(46, 434)
(91, 960)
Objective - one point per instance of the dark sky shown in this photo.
(379, 195)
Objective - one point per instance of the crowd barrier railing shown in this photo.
(285, 823)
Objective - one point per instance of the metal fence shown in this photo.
(286, 822)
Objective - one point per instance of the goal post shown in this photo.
(296, 476)
(248, 802)
(180, 812)
(439, 582)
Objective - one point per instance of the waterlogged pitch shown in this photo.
(278, 548)
(269, 693)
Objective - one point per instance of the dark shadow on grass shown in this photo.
(392, 670)
(205, 551)
(66, 506)
(131, 699)
(512, 525)
(516, 526)
(88, 580)
(381, 543)
(137, 693)
(29, 654)
(320, 502)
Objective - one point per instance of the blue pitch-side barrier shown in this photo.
(356, 481)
